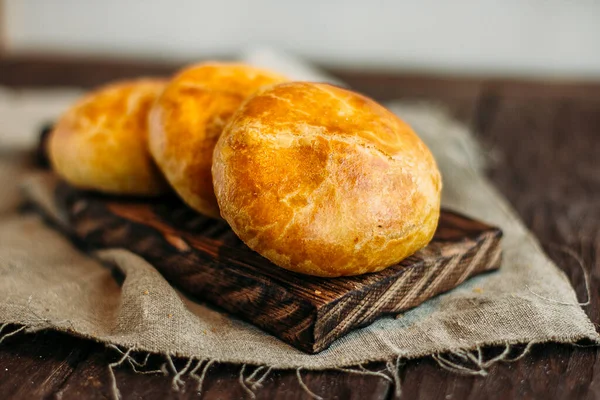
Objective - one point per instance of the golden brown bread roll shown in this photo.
(324, 181)
(101, 142)
(188, 118)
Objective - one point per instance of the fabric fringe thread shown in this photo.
(394, 370)
(200, 378)
(304, 387)
(475, 364)
(586, 278)
(9, 334)
(113, 379)
(254, 381)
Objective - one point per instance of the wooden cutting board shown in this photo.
(204, 258)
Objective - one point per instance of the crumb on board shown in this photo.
(146, 292)
(478, 290)
(170, 315)
(398, 316)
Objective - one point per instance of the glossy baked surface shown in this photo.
(324, 181)
(100, 143)
(189, 117)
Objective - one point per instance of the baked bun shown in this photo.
(324, 181)
(100, 143)
(189, 117)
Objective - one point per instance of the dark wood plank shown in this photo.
(551, 146)
(205, 258)
(52, 71)
(37, 365)
(549, 371)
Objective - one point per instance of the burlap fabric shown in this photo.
(45, 283)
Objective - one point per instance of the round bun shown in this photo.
(188, 118)
(100, 143)
(324, 181)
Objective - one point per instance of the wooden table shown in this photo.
(545, 141)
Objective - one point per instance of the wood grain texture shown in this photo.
(35, 366)
(557, 201)
(205, 258)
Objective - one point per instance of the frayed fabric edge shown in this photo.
(464, 361)
(574, 340)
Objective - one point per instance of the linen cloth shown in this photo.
(46, 283)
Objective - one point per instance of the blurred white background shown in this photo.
(531, 38)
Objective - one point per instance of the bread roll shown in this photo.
(189, 117)
(101, 142)
(324, 181)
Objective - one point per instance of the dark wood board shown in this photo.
(206, 259)
(558, 201)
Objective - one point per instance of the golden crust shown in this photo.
(189, 117)
(324, 181)
(100, 143)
